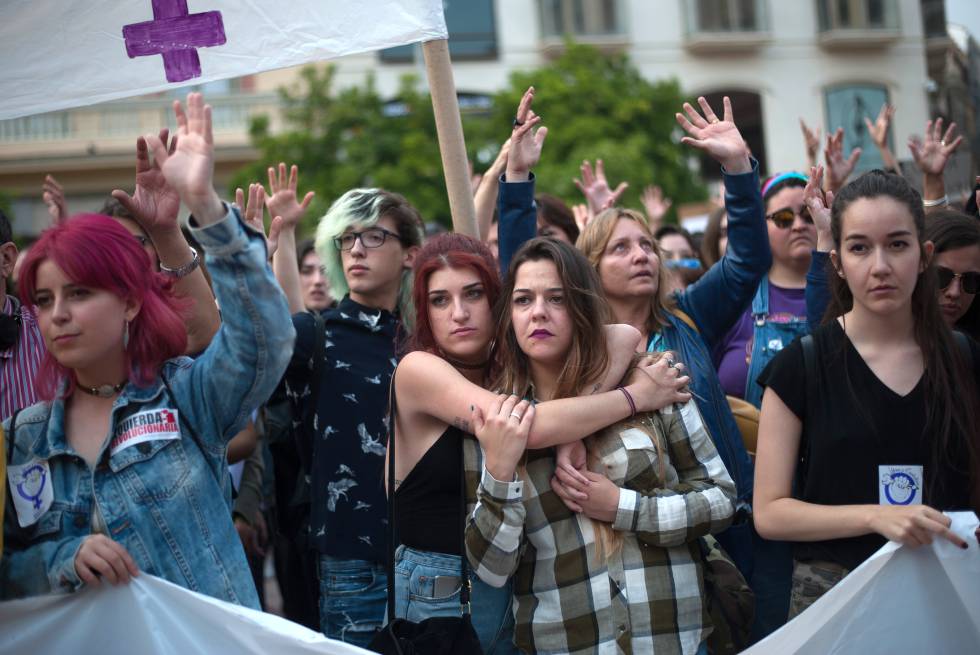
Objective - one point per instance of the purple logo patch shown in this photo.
(175, 34)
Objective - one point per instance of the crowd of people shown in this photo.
(584, 427)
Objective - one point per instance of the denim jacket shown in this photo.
(161, 486)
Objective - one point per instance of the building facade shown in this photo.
(829, 62)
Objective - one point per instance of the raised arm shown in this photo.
(155, 205)
(839, 168)
(931, 155)
(811, 140)
(817, 284)
(248, 355)
(879, 135)
(718, 299)
(284, 202)
(518, 215)
(486, 194)
(595, 187)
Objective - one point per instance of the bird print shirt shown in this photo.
(348, 513)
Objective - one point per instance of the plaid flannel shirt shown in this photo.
(646, 597)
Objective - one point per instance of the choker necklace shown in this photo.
(464, 365)
(103, 391)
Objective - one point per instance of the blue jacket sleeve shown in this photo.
(718, 299)
(817, 289)
(241, 367)
(518, 218)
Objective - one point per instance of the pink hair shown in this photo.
(96, 251)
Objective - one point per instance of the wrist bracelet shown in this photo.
(182, 271)
(935, 203)
(629, 399)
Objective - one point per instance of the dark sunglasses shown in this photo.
(969, 281)
(783, 218)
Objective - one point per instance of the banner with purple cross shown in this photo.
(80, 52)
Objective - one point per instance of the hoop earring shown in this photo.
(125, 335)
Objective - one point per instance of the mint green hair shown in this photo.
(359, 209)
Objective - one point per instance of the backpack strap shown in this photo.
(810, 369)
(681, 314)
(9, 437)
(306, 437)
(963, 343)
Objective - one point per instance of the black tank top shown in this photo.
(427, 502)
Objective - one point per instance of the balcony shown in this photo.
(725, 26)
(857, 24)
(111, 128)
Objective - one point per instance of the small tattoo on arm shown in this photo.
(462, 424)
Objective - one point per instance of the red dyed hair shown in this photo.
(449, 250)
(95, 251)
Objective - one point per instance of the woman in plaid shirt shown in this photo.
(624, 574)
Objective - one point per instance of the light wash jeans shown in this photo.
(415, 598)
(353, 595)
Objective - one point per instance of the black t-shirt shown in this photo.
(852, 425)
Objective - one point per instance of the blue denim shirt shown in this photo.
(167, 501)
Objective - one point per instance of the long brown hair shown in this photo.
(947, 375)
(593, 242)
(588, 355)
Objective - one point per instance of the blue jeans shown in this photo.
(416, 599)
(353, 595)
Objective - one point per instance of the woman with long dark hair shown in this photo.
(585, 580)
(956, 238)
(878, 424)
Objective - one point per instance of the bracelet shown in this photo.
(629, 399)
(182, 271)
(935, 203)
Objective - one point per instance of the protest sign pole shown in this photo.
(449, 127)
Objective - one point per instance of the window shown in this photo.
(726, 16)
(847, 107)
(472, 34)
(857, 15)
(934, 17)
(579, 18)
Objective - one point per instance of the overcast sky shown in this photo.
(966, 13)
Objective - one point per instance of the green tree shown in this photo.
(595, 105)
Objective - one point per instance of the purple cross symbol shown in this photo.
(176, 34)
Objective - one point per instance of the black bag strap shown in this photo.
(305, 437)
(10, 437)
(963, 343)
(464, 593)
(810, 369)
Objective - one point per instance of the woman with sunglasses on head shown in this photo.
(870, 425)
(123, 468)
(437, 386)
(956, 237)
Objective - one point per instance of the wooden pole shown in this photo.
(449, 127)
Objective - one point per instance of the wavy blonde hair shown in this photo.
(594, 240)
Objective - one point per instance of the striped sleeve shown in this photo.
(701, 503)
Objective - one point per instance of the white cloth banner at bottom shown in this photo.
(151, 616)
(901, 600)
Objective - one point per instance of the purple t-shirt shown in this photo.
(732, 352)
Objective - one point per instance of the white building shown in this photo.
(830, 62)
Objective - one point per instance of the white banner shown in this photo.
(150, 616)
(901, 600)
(68, 53)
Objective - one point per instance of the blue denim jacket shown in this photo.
(167, 501)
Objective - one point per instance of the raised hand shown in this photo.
(811, 139)
(525, 144)
(838, 168)
(190, 169)
(582, 216)
(878, 131)
(595, 187)
(155, 203)
(819, 203)
(655, 204)
(719, 138)
(932, 153)
(503, 434)
(54, 197)
(283, 201)
(253, 213)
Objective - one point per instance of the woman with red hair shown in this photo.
(122, 468)
(439, 386)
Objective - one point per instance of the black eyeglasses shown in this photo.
(783, 218)
(969, 281)
(373, 237)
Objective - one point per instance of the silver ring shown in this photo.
(942, 143)
(516, 415)
(714, 120)
(671, 363)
